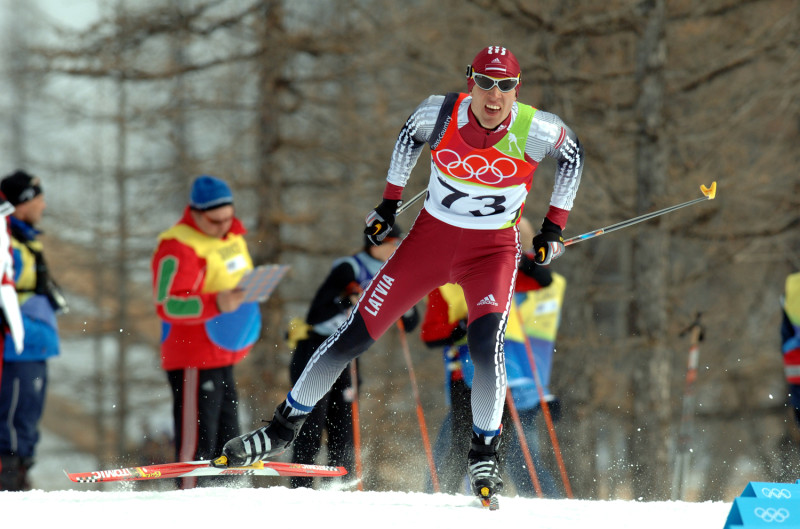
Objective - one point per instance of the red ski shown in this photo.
(203, 468)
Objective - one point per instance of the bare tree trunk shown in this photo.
(268, 185)
(102, 445)
(177, 110)
(121, 265)
(16, 57)
(651, 378)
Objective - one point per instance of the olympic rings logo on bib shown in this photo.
(476, 168)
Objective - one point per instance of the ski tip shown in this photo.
(73, 477)
(709, 192)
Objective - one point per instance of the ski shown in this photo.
(203, 468)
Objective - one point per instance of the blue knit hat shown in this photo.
(209, 192)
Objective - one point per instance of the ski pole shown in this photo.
(523, 442)
(680, 476)
(548, 419)
(405, 205)
(708, 194)
(420, 415)
(356, 424)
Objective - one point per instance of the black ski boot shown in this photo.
(9, 472)
(268, 441)
(25, 464)
(484, 470)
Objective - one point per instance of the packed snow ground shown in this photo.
(304, 508)
(57, 502)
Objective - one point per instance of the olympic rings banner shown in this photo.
(766, 505)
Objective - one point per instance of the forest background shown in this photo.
(118, 105)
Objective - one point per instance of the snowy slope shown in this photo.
(70, 505)
(63, 505)
(303, 508)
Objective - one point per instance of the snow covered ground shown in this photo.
(304, 508)
(57, 502)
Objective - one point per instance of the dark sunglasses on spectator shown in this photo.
(485, 82)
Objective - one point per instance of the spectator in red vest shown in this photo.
(206, 327)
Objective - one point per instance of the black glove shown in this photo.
(548, 244)
(410, 319)
(380, 220)
(542, 275)
(459, 332)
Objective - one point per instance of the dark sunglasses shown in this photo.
(485, 82)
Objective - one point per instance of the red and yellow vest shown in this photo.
(189, 268)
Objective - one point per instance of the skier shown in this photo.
(466, 234)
